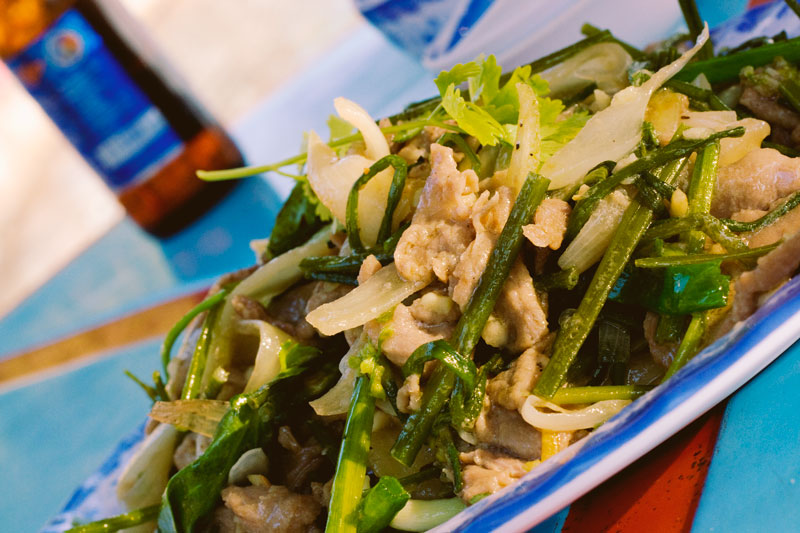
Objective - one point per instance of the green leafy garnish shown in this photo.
(490, 115)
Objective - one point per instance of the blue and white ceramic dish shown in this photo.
(709, 378)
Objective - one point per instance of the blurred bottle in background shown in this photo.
(101, 81)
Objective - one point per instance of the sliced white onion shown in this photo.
(332, 177)
(612, 133)
(270, 340)
(732, 149)
(250, 463)
(381, 292)
(356, 115)
(145, 477)
(200, 416)
(263, 285)
(283, 271)
(605, 64)
(560, 419)
(592, 240)
(708, 119)
(525, 157)
(337, 400)
(422, 515)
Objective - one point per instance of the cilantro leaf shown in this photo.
(492, 112)
(472, 118)
(484, 86)
(456, 75)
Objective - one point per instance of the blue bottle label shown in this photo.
(86, 92)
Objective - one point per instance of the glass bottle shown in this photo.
(119, 103)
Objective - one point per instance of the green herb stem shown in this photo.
(192, 387)
(698, 93)
(690, 344)
(466, 405)
(456, 140)
(716, 229)
(563, 279)
(701, 188)
(332, 277)
(782, 148)
(694, 259)
(246, 172)
(381, 504)
(347, 264)
(418, 477)
(441, 351)
(481, 303)
(792, 202)
(175, 331)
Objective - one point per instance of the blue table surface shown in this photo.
(57, 428)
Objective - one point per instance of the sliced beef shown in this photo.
(288, 312)
(785, 226)
(773, 269)
(486, 472)
(368, 268)
(409, 396)
(403, 334)
(510, 388)
(262, 509)
(431, 317)
(756, 181)
(519, 319)
(248, 309)
(489, 215)
(304, 459)
(766, 105)
(440, 228)
(505, 429)
(549, 224)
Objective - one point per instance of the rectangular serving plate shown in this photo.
(714, 374)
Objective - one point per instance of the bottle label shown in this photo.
(74, 76)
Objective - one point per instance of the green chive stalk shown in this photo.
(395, 191)
(701, 189)
(695, 25)
(351, 468)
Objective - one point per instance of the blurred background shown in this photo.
(52, 205)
